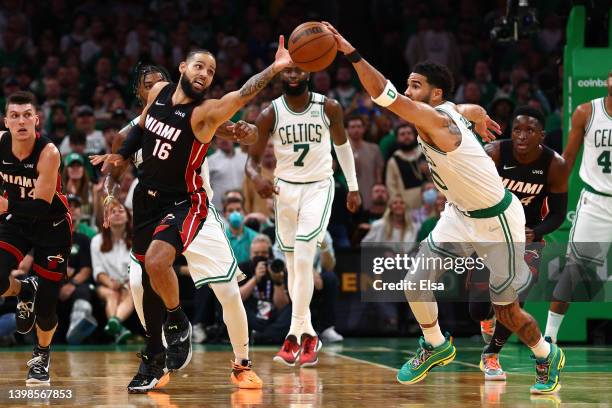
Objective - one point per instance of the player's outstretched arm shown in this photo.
(264, 124)
(486, 127)
(344, 152)
(556, 199)
(384, 93)
(44, 186)
(218, 111)
(580, 118)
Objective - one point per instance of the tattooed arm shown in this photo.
(214, 112)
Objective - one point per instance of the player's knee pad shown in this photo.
(480, 311)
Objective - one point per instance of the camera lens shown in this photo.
(277, 265)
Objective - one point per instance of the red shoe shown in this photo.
(309, 350)
(289, 353)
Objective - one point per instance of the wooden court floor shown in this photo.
(359, 373)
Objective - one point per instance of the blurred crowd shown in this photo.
(78, 58)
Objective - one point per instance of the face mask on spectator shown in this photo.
(235, 219)
(429, 196)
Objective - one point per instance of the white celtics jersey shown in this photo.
(466, 176)
(302, 144)
(596, 166)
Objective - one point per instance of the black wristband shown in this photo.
(353, 56)
(277, 284)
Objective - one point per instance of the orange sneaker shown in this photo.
(309, 350)
(289, 353)
(244, 376)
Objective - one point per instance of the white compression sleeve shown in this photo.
(347, 163)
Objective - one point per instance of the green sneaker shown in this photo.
(427, 357)
(548, 370)
(113, 326)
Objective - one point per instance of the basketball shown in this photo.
(312, 46)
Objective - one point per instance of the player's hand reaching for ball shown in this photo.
(282, 59)
(265, 188)
(488, 129)
(244, 132)
(344, 46)
(108, 160)
(353, 201)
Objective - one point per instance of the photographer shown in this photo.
(264, 293)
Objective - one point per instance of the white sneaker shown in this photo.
(198, 335)
(330, 335)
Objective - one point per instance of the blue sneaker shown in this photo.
(548, 370)
(427, 357)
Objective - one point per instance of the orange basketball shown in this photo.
(312, 46)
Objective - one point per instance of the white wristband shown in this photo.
(344, 153)
(387, 97)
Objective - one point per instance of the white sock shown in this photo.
(553, 324)
(541, 349)
(433, 335)
(234, 316)
(303, 287)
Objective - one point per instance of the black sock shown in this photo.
(176, 315)
(500, 336)
(154, 345)
(27, 291)
(41, 348)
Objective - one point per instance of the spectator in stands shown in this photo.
(365, 217)
(487, 90)
(76, 182)
(369, 163)
(86, 122)
(8, 326)
(226, 167)
(110, 255)
(501, 110)
(264, 293)
(239, 235)
(58, 125)
(403, 173)
(321, 83)
(383, 123)
(428, 225)
(252, 201)
(76, 292)
(344, 91)
(395, 225)
(428, 197)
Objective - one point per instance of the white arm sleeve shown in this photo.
(387, 97)
(347, 163)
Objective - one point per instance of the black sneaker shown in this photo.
(25, 317)
(151, 374)
(39, 367)
(178, 338)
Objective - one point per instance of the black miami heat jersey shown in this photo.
(18, 176)
(529, 182)
(171, 154)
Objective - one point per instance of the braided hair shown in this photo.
(141, 71)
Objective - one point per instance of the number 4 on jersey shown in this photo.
(604, 161)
